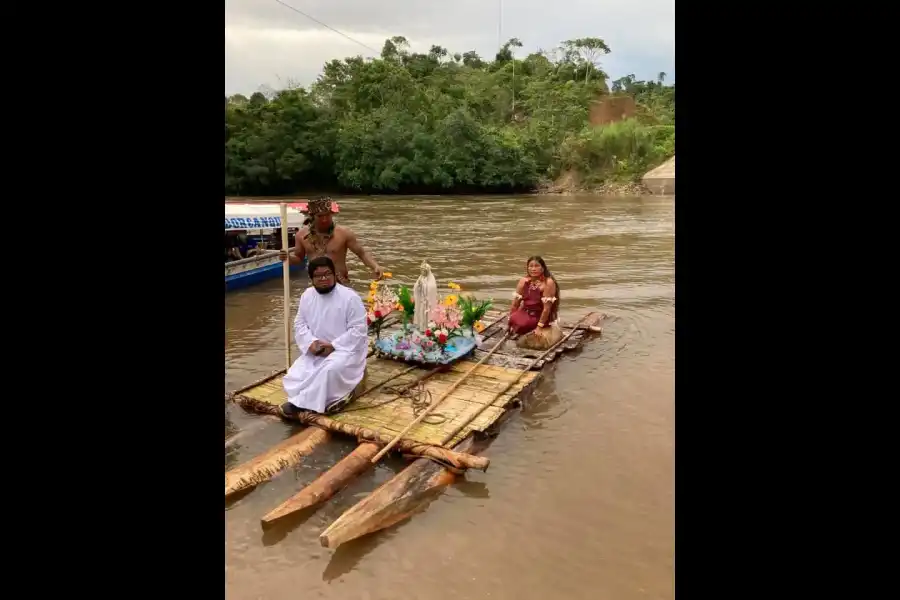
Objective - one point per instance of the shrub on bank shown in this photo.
(620, 152)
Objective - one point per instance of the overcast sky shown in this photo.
(269, 44)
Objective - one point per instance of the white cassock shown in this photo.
(339, 318)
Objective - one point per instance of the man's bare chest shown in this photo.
(324, 245)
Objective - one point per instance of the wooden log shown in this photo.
(459, 460)
(393, 501)
(327, 484)
(268, 464)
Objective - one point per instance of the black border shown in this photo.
(748, 177)
(121, 492)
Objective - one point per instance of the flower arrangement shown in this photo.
(471, 311)
(444, 337)
(381, 301)
(444, 321)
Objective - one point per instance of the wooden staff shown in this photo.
(287, 287)
(484, 407)
(436, 403)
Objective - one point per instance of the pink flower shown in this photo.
(437, 315)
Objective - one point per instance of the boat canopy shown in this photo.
(256, 217)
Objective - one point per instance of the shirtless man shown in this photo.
(323, 238)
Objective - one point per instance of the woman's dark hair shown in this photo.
(547, 273)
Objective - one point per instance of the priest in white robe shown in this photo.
(331, 332)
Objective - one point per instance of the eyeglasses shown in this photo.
(323, 277)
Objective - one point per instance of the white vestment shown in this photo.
(339, 318)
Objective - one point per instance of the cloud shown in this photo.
(269, 44)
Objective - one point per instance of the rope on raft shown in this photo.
(418, 395)
(443, 463)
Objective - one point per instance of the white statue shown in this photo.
(425, 295)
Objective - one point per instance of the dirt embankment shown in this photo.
(570, 184)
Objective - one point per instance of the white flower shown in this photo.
(432, 325)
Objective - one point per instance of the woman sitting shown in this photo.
(535, 306)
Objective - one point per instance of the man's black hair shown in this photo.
(320, 261)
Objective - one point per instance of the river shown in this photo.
(579, 500)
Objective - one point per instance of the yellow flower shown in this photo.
(451, 300)
(453, 286)
(388, 274)
(479, 326)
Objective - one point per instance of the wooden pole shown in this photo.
(436, 403)
(287, 287)
(484, 406)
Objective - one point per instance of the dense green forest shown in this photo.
(440, 122)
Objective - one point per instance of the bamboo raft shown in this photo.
(442, 418)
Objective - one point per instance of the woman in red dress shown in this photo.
(536, 299)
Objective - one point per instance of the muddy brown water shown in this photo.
(579, 499)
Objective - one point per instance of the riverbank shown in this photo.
(571, 184)
(567, 185)
(613, 190)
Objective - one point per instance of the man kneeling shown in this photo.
(330, 331)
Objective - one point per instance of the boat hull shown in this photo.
(247, 272)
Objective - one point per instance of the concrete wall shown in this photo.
(661, 180)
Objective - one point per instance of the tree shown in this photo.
(505, 54)
(589, 50)
(440, 121)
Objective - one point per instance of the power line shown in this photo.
(300, 12)
(499, 25)
(377, 53)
